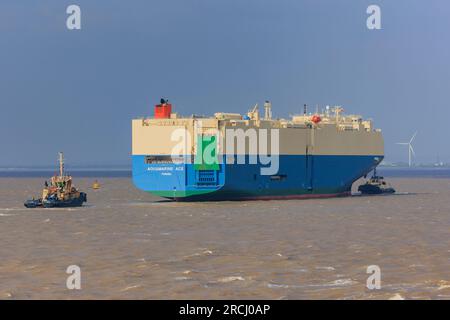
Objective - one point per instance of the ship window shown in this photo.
(279, 177)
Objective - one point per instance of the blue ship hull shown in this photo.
(55, 203)
(75, 202)
(299, 176)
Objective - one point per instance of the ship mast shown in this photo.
(268, 110)
(61, 164)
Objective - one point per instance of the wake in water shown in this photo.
(359, 194)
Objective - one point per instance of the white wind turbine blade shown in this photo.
(412, 150)
(412, 138)
(403, 143)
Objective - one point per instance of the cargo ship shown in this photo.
(230, 156)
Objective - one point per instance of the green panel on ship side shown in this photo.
(206, 156)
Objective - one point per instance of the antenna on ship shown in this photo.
(61, 164)
(410, 148)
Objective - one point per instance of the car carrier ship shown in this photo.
(317, 154)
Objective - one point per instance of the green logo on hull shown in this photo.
(206, 155)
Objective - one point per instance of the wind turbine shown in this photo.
(410, 148)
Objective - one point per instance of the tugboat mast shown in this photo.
(61, 164)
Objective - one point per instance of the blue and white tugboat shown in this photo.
(59, 192)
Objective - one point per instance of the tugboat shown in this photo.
(59, 193)
(375, 185)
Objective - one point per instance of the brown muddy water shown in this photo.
(130, 245)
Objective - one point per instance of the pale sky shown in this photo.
(77, 90)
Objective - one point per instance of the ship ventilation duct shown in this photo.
(268, 110)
